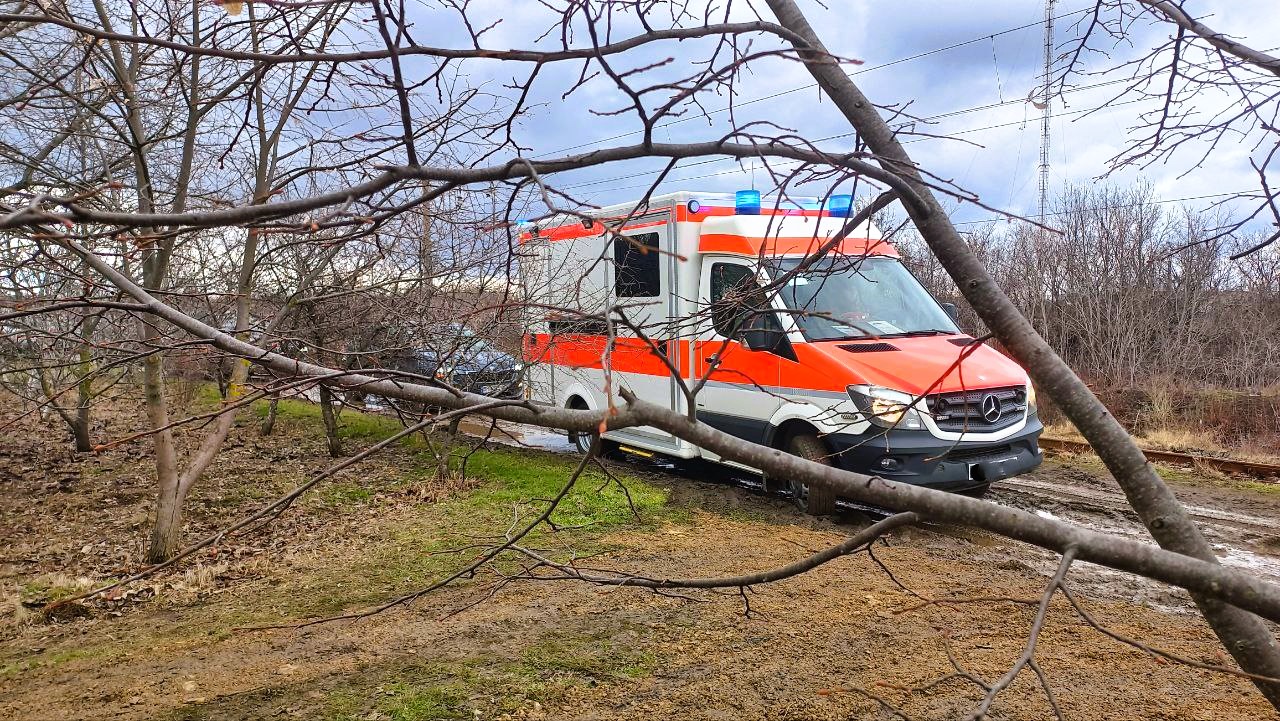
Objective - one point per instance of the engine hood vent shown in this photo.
(881, 347)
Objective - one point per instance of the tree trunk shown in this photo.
(269, 423)
(167, 529)
(330, 422)
(446, 450)
(84, 398)
(1244, 635)
(80, 431)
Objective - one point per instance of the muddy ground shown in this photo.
(844, 641)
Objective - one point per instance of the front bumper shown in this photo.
(499, 384)
(919, 458)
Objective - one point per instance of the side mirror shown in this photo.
(758, 339)
(952, 311)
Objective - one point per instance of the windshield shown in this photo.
(840, 298)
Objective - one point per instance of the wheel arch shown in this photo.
(581, 394)
(779, 435)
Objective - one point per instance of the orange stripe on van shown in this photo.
(821, 366)
(752, 246)
(576, 230)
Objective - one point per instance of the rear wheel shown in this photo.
(582, 441)
(814, 500)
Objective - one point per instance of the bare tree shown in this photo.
(326, 208)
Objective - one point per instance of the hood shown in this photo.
(484, 360)
(919, 362)
(467, 359)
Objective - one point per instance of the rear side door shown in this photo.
(741, 393)
(644, 283)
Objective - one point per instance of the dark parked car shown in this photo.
(468, 362)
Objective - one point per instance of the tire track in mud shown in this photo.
(1241, 540)
(1086, 498)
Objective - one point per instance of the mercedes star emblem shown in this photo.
(990, 408)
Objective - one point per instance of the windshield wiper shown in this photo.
(925, 331)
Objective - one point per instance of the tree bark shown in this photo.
(84, 399)
(80, 431)
(166, 531)
(1244, 635)
(269, 423)
(330, 422)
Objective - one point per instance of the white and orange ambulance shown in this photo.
(841, 357)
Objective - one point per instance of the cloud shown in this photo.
(969, 65)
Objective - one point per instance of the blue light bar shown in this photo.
(747, 202)
(839, 205)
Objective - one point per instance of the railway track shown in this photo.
(1265, 471)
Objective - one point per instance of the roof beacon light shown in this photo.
(839, 205)
(747, 202)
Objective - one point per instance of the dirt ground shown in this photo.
(844, 641)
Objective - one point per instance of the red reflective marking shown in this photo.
(822, 366)
(746, 245)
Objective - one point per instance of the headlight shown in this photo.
(886, 407)
(1031, 398)
(444, 373)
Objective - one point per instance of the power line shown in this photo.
(810, 86)
(789, 163)
(838, 136)
(1162, 201)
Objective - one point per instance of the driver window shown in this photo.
(736, 301)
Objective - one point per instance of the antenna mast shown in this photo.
(1046, 109)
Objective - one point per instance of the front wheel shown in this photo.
(814, 500)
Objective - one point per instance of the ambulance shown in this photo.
(792, 337)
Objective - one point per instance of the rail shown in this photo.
(1226, 465)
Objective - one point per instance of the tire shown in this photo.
(814, 500)
(582, 441)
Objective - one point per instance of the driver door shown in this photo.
(741, 394)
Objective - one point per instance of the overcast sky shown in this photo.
(980, 87)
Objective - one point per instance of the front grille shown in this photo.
(981, 411)
(485, 378)
(971, 455)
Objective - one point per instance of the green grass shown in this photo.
(592, 656)
(406, 702)
(341, 494)
(54, 658)
(1260, 487)
(420, 547)
(425, 543)
(352, 424)
(455, 689)
(515, 476)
